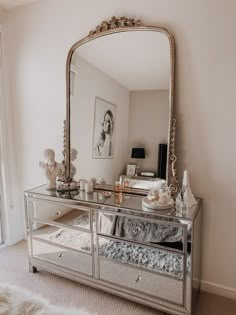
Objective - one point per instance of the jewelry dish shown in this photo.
(155, 205)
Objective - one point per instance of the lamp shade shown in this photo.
(138, 153)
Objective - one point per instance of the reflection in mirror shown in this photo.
(119, 101)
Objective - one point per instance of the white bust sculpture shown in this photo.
(51, 168)
(73, 157)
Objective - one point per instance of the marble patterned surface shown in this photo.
(148, 258)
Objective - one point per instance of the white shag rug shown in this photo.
(15, 301)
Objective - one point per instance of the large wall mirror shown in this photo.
(120, 97)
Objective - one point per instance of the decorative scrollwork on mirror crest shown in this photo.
(116, 25)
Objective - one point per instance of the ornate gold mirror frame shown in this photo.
(117, 25)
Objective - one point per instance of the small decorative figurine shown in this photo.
(73, 157)
(188, 197)
(185, 198)
(51, 168)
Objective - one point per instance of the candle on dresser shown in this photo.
(89, 186)
(82, 184)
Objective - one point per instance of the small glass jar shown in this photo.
(118, 198)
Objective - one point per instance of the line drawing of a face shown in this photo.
(108, 122)
(104, 143)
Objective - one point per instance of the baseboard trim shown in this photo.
(218, 289)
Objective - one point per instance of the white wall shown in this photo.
(40, 35)
(89, 84)
(148, 108)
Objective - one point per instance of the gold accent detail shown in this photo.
(172, 172)
(114, 23)
(63, 175)
(64, 141)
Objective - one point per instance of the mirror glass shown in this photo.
(119, 103)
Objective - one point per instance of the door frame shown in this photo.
(7, 165)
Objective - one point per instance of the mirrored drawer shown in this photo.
(71, 238)
(141, 230)
(68, 215)
(148, 283)
(62, 257)
(144, 257)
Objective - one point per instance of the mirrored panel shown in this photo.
(141, 230)
(120, 107)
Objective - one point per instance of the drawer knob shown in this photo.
(138, 279)
(60, 255)
(57, 213)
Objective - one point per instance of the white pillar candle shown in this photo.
(89, 186)
(82, 184)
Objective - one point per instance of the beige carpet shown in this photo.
(63, 292)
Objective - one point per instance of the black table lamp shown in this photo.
(138, 153)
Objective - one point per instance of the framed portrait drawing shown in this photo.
(104, 129)
(131, 170)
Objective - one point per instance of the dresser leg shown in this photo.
(32, 269)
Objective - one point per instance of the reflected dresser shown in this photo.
(115, 244)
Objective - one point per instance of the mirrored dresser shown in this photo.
(111, 242)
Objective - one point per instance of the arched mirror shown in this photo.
(120, 99)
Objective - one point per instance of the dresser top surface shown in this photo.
(121, 201)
